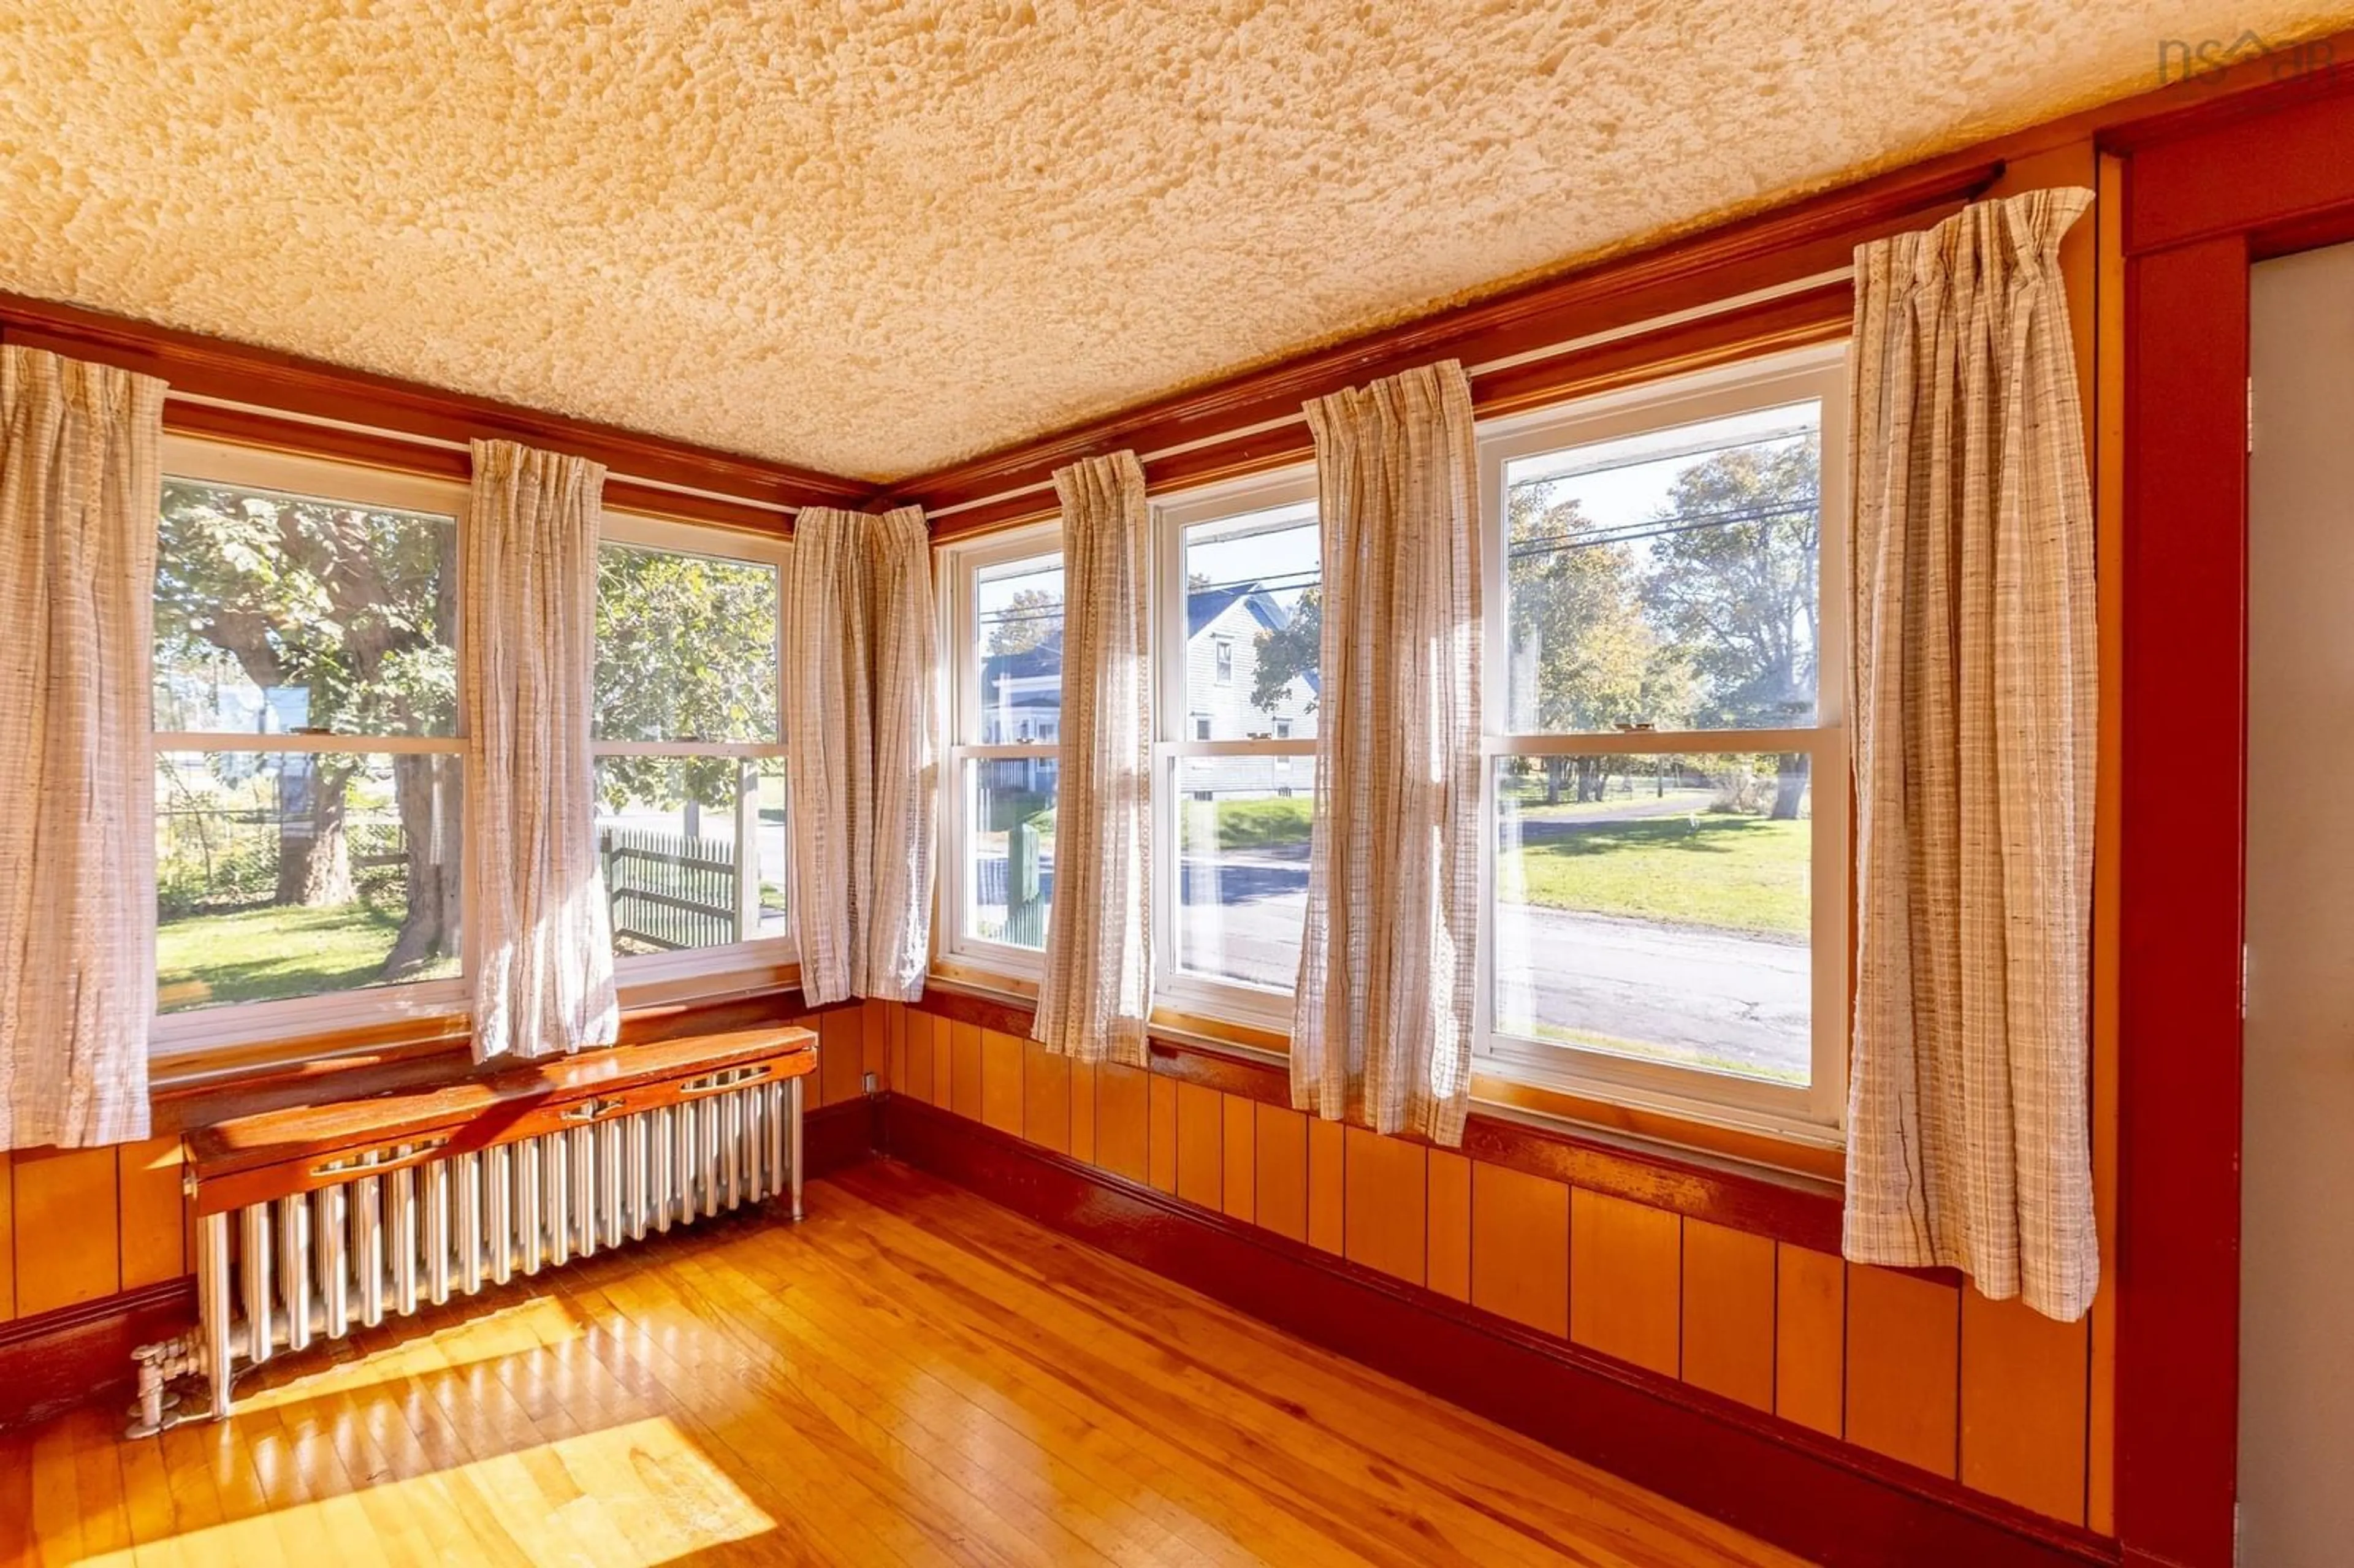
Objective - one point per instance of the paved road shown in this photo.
(1720, 995)
(1744, 999)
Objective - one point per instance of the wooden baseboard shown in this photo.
(52, 1361)
(841, 1135)
(1829, 1501)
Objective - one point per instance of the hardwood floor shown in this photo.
(911, 1376)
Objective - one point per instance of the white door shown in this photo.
(2296, 1261)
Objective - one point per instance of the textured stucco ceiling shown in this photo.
(873, 237)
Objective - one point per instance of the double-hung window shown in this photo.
(1665, 877)
(307, 767)
(689, 742)
(1002, 601)
(1237, 626)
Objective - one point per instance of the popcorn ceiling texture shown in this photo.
(871, 238)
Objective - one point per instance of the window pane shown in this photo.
(1010, 838)
(281, 614)
(1658, 906)
(1667, 580)
(1253, 615)
(686, 647)
(1243, 826)
(669, 830)
(1018, 620)
(294, 873)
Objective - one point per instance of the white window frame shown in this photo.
(1199, 995)
(643, 532)
(957, 567)
(177, 1034)
(1815, 1113)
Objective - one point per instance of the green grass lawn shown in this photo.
(261, 954)
(1725, 873)
(1251, 824)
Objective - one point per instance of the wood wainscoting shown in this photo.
(1715, 1290)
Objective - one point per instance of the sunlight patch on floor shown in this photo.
(630, 1496)
(518, 1330)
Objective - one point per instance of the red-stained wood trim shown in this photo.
(1827, 1500)
(1808, 236)
(1768, 326)
(2205, 192)
(214, 367)
(1794, 1209)
(54, 1361)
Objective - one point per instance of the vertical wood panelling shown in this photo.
(153, 1221)
(7, 1239)
(1238, 1185)
(1000, 1081)
(1810, 1339)
(1383, 1213)
(1447, 1259)
(1728, 1312)
(875, 1025)
(964, 1069)
(1123, 1118)
(2023, 1406)
(840, 1054)
(1626, 1270)
(1281, 1169)
(1325, 1157)
(922, 1028)
(1160, 1133)
(1201, 1145)
(68, 1245)
(1903, 1352)
(1520, 1247)
(897, 1020)
(1046, 1097)
(1083, 1111)
(1894, 1363)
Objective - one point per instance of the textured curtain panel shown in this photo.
(1974, 710)
(858, 716)
(903, 640)
(1098, 990)
(542, 938)
(1382, 1030)
(79, 489)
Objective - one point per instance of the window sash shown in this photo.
(1183, 991)
(1816, 1113)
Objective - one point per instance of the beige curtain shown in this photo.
(1382, 1028)
(535, 907)
(860, 688)
(79, 489)
(1974, 690)
(1097, 991)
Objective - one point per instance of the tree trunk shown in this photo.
(1552, 779)
(314, 860)
(425, 791)
(1789, 787)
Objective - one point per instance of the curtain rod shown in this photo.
(1486, 367)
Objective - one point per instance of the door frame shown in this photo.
(2209, 192)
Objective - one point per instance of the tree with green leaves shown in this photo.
(1733, 582)
(685, 650)
(1288, 652)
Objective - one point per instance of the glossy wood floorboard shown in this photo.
(912, 1376)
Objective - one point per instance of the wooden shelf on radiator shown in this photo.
(286, 1136)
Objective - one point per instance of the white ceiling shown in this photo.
(873, 237)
